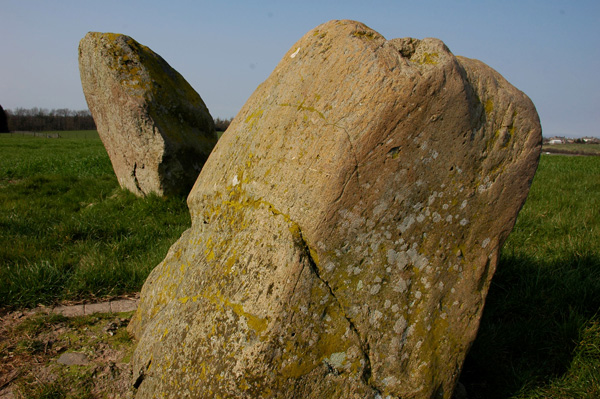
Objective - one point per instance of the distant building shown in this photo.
(591, 140)
(569, 140)
(556, 140)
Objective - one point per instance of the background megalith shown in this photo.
(156, 129)
(345, 228)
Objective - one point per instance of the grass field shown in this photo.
(540, 332)
(67, 232)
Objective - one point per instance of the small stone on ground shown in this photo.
(73, 359)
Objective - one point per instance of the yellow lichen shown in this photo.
(302, 107)
(253, 118)
(370, 35)
(254, 322)
(489, 106)
(427, 58)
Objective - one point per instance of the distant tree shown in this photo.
(3, 121)
(222, 124)
(41, 119)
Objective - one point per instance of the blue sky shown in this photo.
(549, 49)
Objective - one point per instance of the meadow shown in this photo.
(69, 233)
(540, 332)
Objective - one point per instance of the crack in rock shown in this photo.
(352, 149)
(135, 179)
(364, 344)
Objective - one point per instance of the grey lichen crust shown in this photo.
(344, 230)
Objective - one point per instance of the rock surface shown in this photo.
(156, 129)
(73, 359)
(345, 228)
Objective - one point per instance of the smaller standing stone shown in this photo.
(3, 121)
(156, 129)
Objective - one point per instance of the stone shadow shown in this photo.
(534, 314)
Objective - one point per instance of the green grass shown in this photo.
(78, 134)
(539, 335)
(64, 134)
(67, 231)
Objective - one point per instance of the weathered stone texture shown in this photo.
(156, 129)
(344, 230)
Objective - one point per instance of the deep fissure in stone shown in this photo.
(364, 344)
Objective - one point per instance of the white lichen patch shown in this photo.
(432, 198)
(375, 317)
(406, 223)
(391, 380)
(336, 359)
(379, 209)
(400, 285)
(485, 242)
(375, 289)
(295, 53)
(400, 325)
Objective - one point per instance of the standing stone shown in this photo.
(345, 228)
(156, 129)
(3, 121)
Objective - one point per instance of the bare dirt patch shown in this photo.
(31, 344)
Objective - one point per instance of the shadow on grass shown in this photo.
(534, 315)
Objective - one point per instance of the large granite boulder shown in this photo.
(156, 129)
(344, 230)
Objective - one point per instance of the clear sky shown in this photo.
(550, 49)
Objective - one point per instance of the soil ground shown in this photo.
(33, 345)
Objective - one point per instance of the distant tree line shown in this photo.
(222, 124)
(41, 119)
(3, 121)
